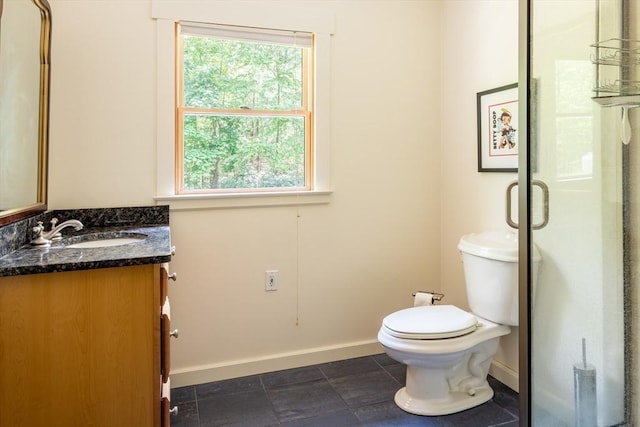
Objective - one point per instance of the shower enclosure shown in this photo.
(580, 78)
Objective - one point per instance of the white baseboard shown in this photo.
(505, 375)
(243, 367)
(240, 368)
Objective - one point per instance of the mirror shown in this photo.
(25, 43)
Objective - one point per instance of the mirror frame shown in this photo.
(12, 215)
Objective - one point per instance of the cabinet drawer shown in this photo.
(166, 415)
(164, 282)
(165, 405)
(165, 355)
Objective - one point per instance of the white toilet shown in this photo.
(447, 350)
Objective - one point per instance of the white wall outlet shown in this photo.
(271, 280)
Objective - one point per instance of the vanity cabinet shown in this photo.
(84, 348)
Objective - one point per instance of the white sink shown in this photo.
(103, 243)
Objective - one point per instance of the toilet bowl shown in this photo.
(447, 350)
(446, 374)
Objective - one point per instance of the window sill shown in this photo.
(243, 200)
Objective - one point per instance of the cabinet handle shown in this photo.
(174, 333)
(174, 411)
(173, 276)
(173, 250)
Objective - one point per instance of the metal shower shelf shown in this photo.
(625, 91)
(620, 88)
(617, 52)
(618, 100)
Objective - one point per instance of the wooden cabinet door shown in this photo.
(80, 348)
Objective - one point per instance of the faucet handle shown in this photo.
(38, 239)
(38, 229)
(58, 235)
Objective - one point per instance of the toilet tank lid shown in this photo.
(498, 245)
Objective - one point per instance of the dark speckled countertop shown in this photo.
(154, 247)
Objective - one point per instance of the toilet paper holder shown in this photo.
(436, 295)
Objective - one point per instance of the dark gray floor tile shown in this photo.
(504, 396)
(343, 418)
(226, 387)
(183, 394)
(322, 395)
(384, 360)
(515, 423)
(389, 414)
(187, 415)
(292, 376)
(366, 388)
(349, 367)
(487, 414)
(397, 371)
(305, 400)
(250, 408)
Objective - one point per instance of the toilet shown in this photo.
(447, 350)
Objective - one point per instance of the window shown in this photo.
(244, 116)
(234, 15)
(574, 119)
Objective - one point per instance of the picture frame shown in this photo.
(498, 129)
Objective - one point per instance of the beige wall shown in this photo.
(404, 75)
(473, 201)
(102, 104)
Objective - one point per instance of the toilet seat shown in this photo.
(430, 322)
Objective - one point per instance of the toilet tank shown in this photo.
(490, 263)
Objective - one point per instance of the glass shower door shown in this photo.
(578, 317)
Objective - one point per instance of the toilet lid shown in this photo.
(430, 322)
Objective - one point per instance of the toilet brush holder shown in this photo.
(585, 396)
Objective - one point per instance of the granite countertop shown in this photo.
(154, 247)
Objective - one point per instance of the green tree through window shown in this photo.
(244, 121)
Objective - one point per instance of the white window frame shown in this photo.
(249, 14)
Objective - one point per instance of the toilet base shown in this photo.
(455, 402)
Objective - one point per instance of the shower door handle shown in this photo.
(510, 222)
(545, 206)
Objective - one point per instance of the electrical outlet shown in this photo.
(271, 280)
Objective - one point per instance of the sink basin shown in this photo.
(106, 240)
(104, 243)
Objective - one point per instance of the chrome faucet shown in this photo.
(42, 238)
(55, 229)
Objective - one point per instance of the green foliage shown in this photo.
(228, 150)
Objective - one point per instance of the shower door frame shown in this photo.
(524, 216)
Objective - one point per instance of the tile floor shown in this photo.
(354, 392)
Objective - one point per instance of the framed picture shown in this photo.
(498, 129)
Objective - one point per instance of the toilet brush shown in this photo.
(584, 381)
